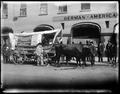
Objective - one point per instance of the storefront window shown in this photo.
(62, 9)
(43, 9)
(5, 11)
(23, 10)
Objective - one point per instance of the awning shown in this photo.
(42, 28)
(6, 30)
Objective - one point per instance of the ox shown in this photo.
(68, 51)
(77, 51)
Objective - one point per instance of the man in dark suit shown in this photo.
(100, 51)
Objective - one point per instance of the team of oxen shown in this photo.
(79, 52)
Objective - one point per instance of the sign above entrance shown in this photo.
(85, 17)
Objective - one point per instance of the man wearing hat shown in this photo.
(39, 54)
(87, 45)
(100, 51)
(108, 50)
(93, 50)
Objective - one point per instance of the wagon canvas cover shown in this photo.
(31, 39)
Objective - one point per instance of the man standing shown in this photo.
(108, 50)
(39, 54)
(12, 41)
(100, 51)
(87, 45)
(93, 52)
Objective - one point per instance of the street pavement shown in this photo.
(66, 76)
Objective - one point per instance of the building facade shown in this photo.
(80, 20)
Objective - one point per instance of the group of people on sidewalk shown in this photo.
(106, 51)
(102, 50)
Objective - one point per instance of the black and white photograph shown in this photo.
(59, 46)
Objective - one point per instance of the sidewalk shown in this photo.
(96, 60)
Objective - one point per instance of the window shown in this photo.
(107, 24)
(85, 6)
(23, 10)
(5, 11)
(62, 9)
(43, 9)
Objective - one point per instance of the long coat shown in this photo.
(93, 50)
(108, 50)
(101, 49)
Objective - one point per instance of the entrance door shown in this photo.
(85, 30)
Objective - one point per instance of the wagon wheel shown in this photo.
(13, 59)
(21, 60)
(45, 63)
(17, 60)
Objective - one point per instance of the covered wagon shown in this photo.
(24, 45)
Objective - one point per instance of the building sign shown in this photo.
(85, 17)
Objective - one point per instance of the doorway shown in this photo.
(86, 30)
